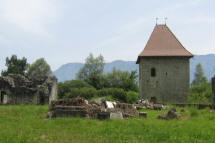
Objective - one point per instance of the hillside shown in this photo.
(68, 71)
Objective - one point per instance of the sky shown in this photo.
(65, 31)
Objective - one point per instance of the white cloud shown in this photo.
(29, 15)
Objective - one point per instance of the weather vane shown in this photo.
(156, 20)
(165, 20)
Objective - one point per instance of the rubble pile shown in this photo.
(172, 114)
(99, 108)
(145, 104)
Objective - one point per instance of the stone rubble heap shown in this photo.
(172, 114)
(145, 104)
(98, 108)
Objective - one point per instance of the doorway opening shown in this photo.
(3, 94)
(153, 100)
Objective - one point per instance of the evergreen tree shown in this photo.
(200, 77)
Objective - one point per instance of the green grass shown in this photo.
(26, 124)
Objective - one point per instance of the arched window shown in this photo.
(153, 72)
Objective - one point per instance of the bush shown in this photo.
(201, 94)
(85, 92)
(132, 97)
(105, 92)
(65, 87)
(119, 94)
(193, 112)
(74, 92)
(88, 92)
(116, 93)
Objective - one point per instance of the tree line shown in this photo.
(20, 66)
(91, 81)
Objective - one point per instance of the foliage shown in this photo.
(201, 94)
(92, 71)
(122, 79)
(85, 92)
(15, 66)
(119, 94)
(200, 77)
(26, 124)
(65, 87)
(38, 68)
(116, 93)
(132, 97)
(193, 112)
(105, 92)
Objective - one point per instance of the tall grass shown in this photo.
(26, 124)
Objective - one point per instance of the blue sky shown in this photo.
(64, 31)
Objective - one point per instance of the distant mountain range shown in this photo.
(68, 71)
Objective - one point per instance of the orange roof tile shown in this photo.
(163, 42)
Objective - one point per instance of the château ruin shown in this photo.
(18, 89)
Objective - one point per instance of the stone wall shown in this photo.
(171, 81)
(18, 89)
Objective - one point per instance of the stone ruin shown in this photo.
(18, 89)
(97, 109)
(171, 114)
(145, 104)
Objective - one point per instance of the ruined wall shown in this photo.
(171, 82)
(18, 89)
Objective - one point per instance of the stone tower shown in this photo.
(164, 68)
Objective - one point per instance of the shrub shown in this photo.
(74, 92)
(201, 94)
(116, 93)
(119, 94)
(105, 92)
(65, 87)
(132, 97)
(88, 92)
(193, 112)
(85, 92)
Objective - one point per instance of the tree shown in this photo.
(15, 66)
(38, 68)
(92, 71)
(122, 79)
(199, 78)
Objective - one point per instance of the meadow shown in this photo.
(27, 124)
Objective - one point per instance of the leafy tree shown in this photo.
(15, 66)
(38, 68)
(122, 79)
(199, 76)
(92, 71)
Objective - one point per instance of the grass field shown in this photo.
(26, 124)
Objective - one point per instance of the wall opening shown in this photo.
(3, 94)
(153, 72)
(42, 100)
(153, 100)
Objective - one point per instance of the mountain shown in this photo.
(68, 71)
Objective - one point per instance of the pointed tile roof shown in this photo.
(163, 42)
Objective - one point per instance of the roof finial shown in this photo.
(156, 21)
(165, 20)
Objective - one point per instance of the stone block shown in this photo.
(117, 115)
(143, 114)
